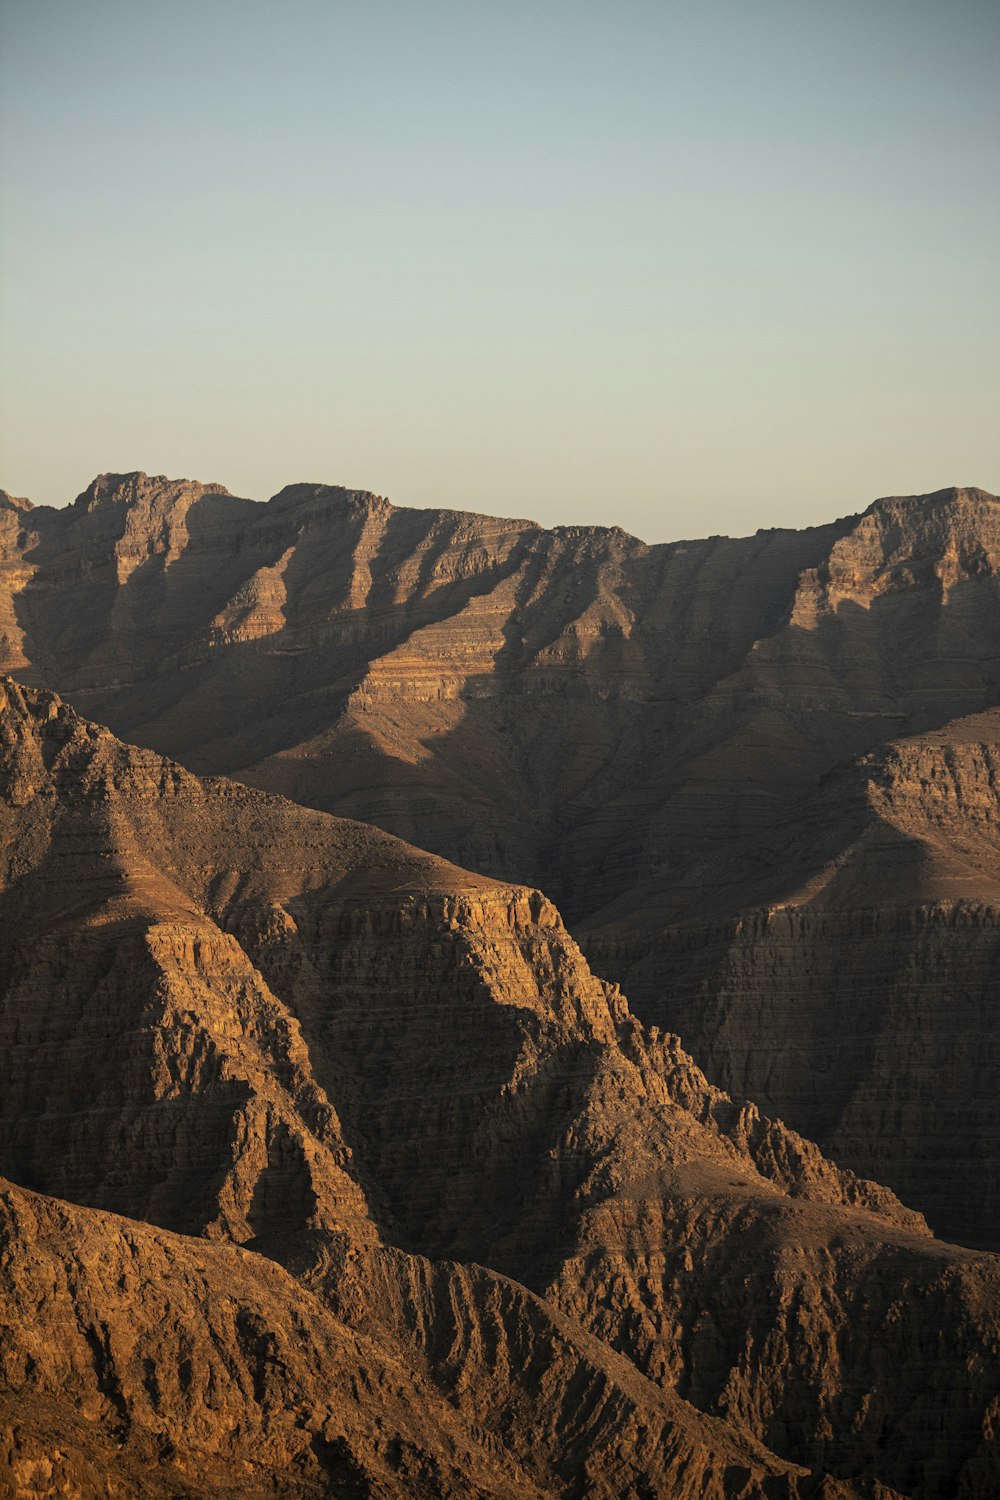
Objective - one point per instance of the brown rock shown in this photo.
(644, 732)
(526, 1248)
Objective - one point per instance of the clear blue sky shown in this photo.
(685, 268)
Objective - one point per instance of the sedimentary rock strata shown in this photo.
(744, 769)
(338, 1172)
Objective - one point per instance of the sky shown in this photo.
(686, 268)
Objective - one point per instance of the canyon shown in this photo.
(497, 1011)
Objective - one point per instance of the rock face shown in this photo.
(335, 1171)
(756, 775)
(167, 1366)
(857, 992)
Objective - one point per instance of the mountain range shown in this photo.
(334, 1168)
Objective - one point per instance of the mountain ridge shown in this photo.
(643, 732)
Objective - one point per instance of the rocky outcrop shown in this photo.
(466, 1226)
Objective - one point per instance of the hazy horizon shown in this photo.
(687, 270)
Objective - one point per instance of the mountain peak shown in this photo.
(126, 489)
(937, 502)
(14, 502)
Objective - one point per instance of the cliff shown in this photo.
(426, 1209)
(853, 994)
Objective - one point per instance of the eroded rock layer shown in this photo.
(646, 733)
(427, 1210)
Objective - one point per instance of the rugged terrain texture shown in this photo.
(756, 775)
(856, 989)
(169, 1366)
(426, 1210)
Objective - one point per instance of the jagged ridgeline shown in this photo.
(757, 776)
(335, 1171)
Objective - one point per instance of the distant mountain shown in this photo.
(755, 774)
(413, 1205)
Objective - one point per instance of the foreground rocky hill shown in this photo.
(755, 774)
(334, 1170)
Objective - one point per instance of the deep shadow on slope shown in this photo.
(355, 990)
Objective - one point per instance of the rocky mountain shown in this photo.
(335, 1171)
(755, 775)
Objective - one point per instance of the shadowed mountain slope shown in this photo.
(508, 1241)
(673, 741)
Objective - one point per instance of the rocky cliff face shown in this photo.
(464, 1225)
(166, 1366)
(476, 680)
(672, 741)
(854, 993)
